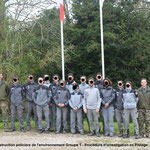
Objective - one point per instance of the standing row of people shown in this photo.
(64, 103)
(134, 103)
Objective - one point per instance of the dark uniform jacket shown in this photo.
(16, 94)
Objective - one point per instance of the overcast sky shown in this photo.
(20, 9)
(32, 8)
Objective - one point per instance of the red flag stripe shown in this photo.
(61, 12)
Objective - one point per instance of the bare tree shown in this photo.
(18, 20)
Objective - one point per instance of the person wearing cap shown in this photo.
(16, 103)
(69, 86)
(54, 87)
(108, 96)
(75, 103)
(30, 106)
(42, 98)
(119, 106)
(144, 108)
(83, 85)
(61, 100)
(91, 107)
(99, 81)
(130, 99)
(4, 93)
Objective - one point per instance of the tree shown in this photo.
(29, 43)
(126, 39)
(83, 33)
(30, 40)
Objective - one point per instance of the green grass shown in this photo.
(86, 128)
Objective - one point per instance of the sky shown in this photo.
(29, 9)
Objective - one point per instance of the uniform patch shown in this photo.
(58, 91)
(117, 93)
(12, 89)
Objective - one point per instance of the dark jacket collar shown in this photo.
(99, 82)
(18, 85)
(63, 88)
(122, 89)
(29, 83)
(70, 82)
(107, 87)
(54, 84)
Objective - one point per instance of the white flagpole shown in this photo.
(62, 51)
(102, 40)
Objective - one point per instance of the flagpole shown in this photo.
(62, 50)
(102, 39)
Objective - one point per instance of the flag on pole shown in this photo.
(61, 11)
(62, 38)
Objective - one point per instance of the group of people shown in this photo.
(66, 102)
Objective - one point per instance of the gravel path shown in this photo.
(34, 141)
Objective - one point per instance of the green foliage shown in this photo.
(84, 35)
(34, 46)
(126, 39)
(86, 127)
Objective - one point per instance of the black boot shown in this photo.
(41, 131)
(127, 134)
(12, 130)
(91, 134)
(137, 136)
(6, 130)
(22, 130)
(121, 134)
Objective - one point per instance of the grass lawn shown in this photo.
(86, 128)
